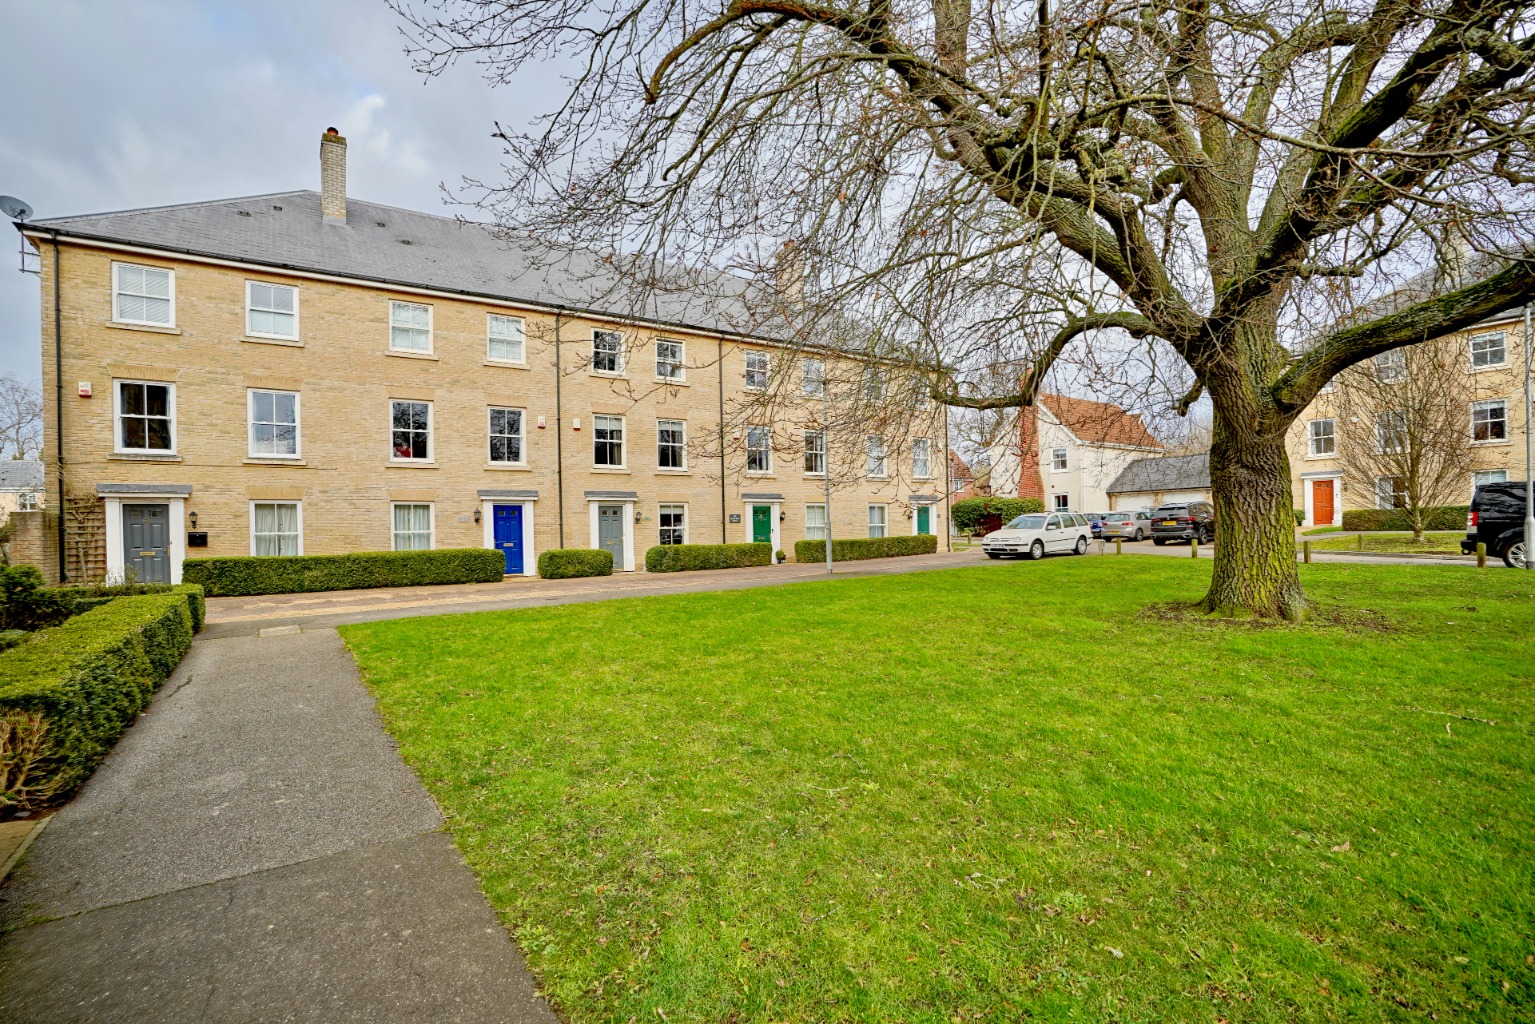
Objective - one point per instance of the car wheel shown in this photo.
(1513, 555)
(1207, 535)
(1139, 535)
(1081, 548)
(1159, 541)
(1037, 551)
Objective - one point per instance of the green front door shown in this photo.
(762, 524)
(923, 520)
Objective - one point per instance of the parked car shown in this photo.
(1128, 525)
(1037, 534)
(1183, 521)
(1095, 519)
(1496, 518)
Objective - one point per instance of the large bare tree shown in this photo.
(21, 419)
(1224, 197)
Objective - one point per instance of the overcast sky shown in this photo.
(120, 105)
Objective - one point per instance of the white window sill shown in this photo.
(814, 476)
(1490, 366)
(399, 354)
(506, 364)
(1321, 458)
(411, 464)
(610, 469)
(762, 475)
(275, 460)
(674, 382)
(878, 476)
(1491, 444)
(124, 325)
(609, 374)
(674, 472)
(509, 467)
(263, 339)
(145, 457)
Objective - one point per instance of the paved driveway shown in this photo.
(255, 850)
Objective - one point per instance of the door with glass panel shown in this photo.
(508, 536)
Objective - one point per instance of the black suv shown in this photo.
(1496, 518)
(1191, 520)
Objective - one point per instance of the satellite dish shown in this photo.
(14, 208)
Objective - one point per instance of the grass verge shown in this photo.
(994, 792)
(1437, 543)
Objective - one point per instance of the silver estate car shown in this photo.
(1127, 525)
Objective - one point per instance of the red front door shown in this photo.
(1321, 502)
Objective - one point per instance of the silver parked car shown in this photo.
(1127, 525)
(1037, 534)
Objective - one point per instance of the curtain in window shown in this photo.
(412, 527)
(276, 529)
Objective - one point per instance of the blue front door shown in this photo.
(508, 535)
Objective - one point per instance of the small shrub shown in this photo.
(1445, 517)
(67, 692)
(570, 563)
(970, 515)
(26, 602)
(1300, 516)
(300, 574)
(687, 557)
(855, 549)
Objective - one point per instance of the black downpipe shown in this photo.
(559, 426)
(58, 393)
(719, 364)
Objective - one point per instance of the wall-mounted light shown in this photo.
(477, 515)
(193, 517)
(782, 515)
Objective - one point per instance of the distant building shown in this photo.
(21, 487)
(1147, 483)
(1065, 451)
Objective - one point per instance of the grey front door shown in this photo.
(610, 532)
(146, 542)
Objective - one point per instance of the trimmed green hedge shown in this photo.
(569, 563)
(300, 574)
(854, 549)
(66, 693)
(28, 603)
(969, 514)
(686, 557)
(1444, 517)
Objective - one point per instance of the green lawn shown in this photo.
(1444, 542)
(991, 793)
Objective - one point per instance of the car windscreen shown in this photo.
(1027, 523)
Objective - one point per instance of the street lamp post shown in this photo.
(1529, 451)
(826, 460)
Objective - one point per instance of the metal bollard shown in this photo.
(1481, 555)
(1306, 548)
(1118, 546)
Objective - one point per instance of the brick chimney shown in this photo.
(1030, 483)
(333, 176)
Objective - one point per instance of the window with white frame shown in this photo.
(877, 517)
(674, 524)
(815, 522)
(671, 444)
(1488, 350)
(410, 436)
(410, 327)
(875, 449)
(1391, 366)
(921, 458)
(1390, 492)
(759, 449)
(873, 385)
(1391, 432)
(146, 416)
(1057, 459)
(607, 352)
(757, 364)
(608, 441)
(26, 501)
(273, 424)
(412, 527)
(1489, 420)
(813, 378)
(507, 436)
(815, 452)
(271, 310)
(1489, 476)
(669, 359)
(505, 338)
(143, 295)
(1324, 439)
(275, 528)
(1062, 502)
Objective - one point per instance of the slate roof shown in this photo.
(1169, 473)
(21, 475)
(1099, 422)
(388, 245)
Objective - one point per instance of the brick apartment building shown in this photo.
(306, 373)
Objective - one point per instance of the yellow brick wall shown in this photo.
(346, 376)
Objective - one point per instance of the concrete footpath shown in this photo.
(255, 850)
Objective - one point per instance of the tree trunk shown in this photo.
(1255, 573)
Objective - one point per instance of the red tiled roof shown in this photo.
(1099, 422)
